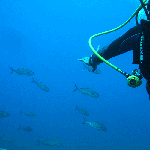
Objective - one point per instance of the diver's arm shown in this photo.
(128, 41)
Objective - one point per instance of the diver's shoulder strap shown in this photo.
(145, 41)
(145, 49)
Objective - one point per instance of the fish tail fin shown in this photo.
(38, 142)
(20, 112)
(84, 67)
(33, 80)
(12, 70)
(19, 127)
(84, 120)
(76, 107)
(76, 88)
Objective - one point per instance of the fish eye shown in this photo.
(92, 93)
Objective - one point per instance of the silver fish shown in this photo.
(41, 85)
(31, 114)
(22, 71)
(5, 139)
(26, 128)
(82, 111)
(96, 125)
(87, 91)
(49, 143)
(4, 114)
(90, 69)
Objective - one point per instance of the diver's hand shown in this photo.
(87, 61)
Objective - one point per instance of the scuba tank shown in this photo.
(144, 64)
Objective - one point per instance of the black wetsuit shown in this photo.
(131, 40)
(127, 42)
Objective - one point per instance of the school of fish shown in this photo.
(85, 91)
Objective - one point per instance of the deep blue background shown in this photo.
(48, 37)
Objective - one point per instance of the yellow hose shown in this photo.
(106, 32)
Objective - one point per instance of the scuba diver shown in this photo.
(136, 39)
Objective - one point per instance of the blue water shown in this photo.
(48, 37)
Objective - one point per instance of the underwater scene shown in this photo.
(49, 98)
